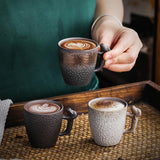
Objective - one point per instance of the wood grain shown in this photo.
(78, 101)
(157, 56)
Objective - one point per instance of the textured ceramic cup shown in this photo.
(78, 66)
(107, 127)
(43, 129)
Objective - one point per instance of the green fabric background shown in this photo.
(29, 33)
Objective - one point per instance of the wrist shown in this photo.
(107, 17)
(105, 24)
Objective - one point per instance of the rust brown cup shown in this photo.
(43, 129)
(78, 66)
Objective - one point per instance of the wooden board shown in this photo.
(132, 93)
(157, 46)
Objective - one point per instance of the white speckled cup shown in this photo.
(108, 126)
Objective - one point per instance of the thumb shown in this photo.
(106, 40)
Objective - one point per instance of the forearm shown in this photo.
(112, 7)
(124, 42)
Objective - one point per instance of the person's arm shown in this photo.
(113, 7)
(123, 41)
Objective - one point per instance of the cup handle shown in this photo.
(136, 112)
(104, 49)
(70, 117)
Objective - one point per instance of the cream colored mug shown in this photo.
(107, 118)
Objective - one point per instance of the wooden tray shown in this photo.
(144, 144)
(146, 90)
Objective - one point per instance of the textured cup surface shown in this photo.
(107, 125)
(77, 65)
(43, 128)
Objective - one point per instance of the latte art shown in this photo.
(43, 108)
(78, 45)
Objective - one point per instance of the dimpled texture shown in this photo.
(77, 67)
(80, 75)
(107, 127)
(42, 130)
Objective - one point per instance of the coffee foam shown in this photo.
(107, 105)
(43, 108)
(78, 45)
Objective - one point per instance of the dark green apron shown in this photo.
(29, 32)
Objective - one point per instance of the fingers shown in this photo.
(124, 40)
(120, 47)
(107, 41)
(123, 62)
(123, 55)
(120, 67)
(127, 57)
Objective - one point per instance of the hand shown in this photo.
(124, 43)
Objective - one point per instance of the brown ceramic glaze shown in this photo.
(78, 66)
(43, 129)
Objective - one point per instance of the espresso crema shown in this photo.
(107, 105)
(78, 44)
(43, 108)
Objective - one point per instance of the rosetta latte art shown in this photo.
(79, 45)
(43, 108)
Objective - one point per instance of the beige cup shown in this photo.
(108, 125)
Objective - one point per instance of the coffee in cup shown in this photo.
(43, 108)
(43, 120)
(107, 117)
(78, 59)
(78, 44)
(107, 105)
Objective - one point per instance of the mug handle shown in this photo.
(136, 112)
(104, 49)
(70, 117)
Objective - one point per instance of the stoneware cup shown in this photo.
(78, 66)
(107, 127)
(43, 129)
